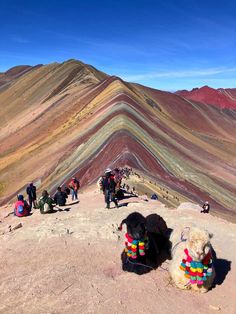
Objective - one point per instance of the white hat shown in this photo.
(108, 170)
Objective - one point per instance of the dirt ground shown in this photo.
(69, 262)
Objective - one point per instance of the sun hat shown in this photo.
(108, 170)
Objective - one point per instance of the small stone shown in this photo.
(17, 226)
(213, 307)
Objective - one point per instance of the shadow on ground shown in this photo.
(222, 268)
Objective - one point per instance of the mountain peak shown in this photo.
(69, 118)
(220, 98)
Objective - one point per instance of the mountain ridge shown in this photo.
(220, 97)
(67, 119)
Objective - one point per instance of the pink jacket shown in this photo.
(25, 207)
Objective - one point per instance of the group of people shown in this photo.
(110, 184)
(45, 203)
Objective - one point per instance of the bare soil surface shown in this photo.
(69, 262)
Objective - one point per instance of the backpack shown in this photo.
(46, 208)
(20, 209)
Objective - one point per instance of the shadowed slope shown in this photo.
(77, 120)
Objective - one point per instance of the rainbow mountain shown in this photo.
(60, 120)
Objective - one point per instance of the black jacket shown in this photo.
(108, 183)
(31, 191)
(60, 198)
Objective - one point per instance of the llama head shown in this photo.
(136, 225)
(198, 242)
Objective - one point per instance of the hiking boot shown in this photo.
(117, 206)
(108, 206)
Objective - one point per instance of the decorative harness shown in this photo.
(133, 248)
(197, 272)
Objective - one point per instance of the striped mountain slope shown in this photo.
(60, 120)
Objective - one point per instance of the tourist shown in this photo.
(205, 208)
(108, 187)
(60, 197)
(22, 208)
(74, 186)
(45, 203)
(31, 191)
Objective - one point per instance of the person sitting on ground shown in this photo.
(45, 203)
(60, 197)
(31, 191)
(22, 208)
(108, 187)
(74, 186)
(205, 208)
(67, 191)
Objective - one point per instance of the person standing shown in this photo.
(74, 186)
(31, 191)
(108, 187)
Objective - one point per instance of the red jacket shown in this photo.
(24, 205)
(74, 184)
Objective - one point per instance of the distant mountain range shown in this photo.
(65, 119)
(222, 98)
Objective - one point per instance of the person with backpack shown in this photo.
(22, 208)
(31, 191)
(60, 197)
(45, 203)
(74, 186)
(108, 186)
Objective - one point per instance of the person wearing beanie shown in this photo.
(21, 208)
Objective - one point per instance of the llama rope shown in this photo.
(197, 272)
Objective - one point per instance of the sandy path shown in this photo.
(69, 262)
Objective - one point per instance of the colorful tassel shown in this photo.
(135, 247)
(197, 272)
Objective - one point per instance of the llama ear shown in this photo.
(121, 224)
(211, 235)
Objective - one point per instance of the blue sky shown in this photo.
(165, 44)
